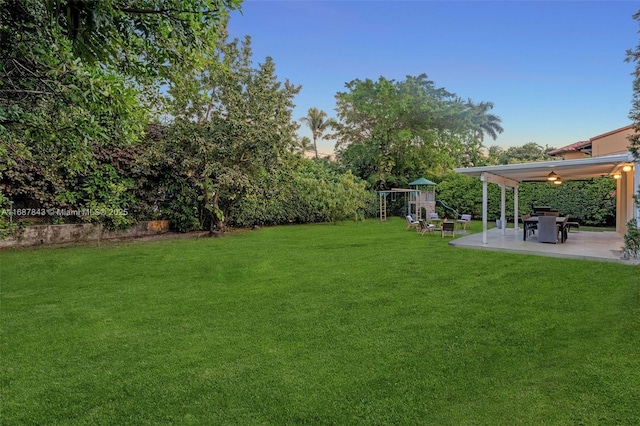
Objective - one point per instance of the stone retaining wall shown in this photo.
(62, 234)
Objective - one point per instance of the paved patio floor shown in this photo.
(598, 246)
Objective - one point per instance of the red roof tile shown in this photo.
(577, 146)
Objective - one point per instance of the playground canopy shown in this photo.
(422, 182)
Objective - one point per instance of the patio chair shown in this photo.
(448, 227)
(464, 221)
(547, 229)
(425, 227)
(573, 225)
(412, 223)
(434, 217)
(529, 228)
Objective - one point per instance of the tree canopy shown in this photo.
(80, 99)
(231, 122)
(389, 131)
(74, 72)
(633, 55)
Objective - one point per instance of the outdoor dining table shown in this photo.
(561, 223)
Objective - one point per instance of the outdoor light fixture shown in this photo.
(626, 168)
(557, 181)
(617, 176)
(553, 177)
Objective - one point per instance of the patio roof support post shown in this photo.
(483, 178)
(636, 191)
(503, 205)
(515, 209)
(486, 177)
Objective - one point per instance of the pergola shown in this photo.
(511, 175)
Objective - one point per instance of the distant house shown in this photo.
(613, 142)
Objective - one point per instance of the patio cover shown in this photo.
(567, 169)
(512, 174)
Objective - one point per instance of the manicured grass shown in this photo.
(355, 323)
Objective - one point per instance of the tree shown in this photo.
(43, 44)
(474, 123)
(318, 123)
(55, 110)
(232, 122)
(388, 130)
(494, 155)
(80, 75)
(527, 153)
(148, 36)
(303, 145)
(632, 236)
(634, 114)
(484, 122)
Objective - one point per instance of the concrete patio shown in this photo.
(597, 246)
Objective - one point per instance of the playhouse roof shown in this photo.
(422, 181)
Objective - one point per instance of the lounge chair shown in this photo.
(412, 223)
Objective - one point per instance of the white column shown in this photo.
(503, 207)
(484, 208)
(515, 209)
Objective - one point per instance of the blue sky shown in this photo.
(555, 70)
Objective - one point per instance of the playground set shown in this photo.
(420, 200)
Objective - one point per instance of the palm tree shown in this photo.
(486, 124)
(318, 123)
(304, 145)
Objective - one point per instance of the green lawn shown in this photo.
(355, 323)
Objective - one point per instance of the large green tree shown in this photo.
(633, 55)
(76, 75)
(390, 131)
(632, 237)
(55, 109)
(232, 122)
(100, 56)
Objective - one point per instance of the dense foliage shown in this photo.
(78, 79)
(310, 192)
(80, 85)
(526, 153)
(634, 114)
(118, 111)
(632, 239)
